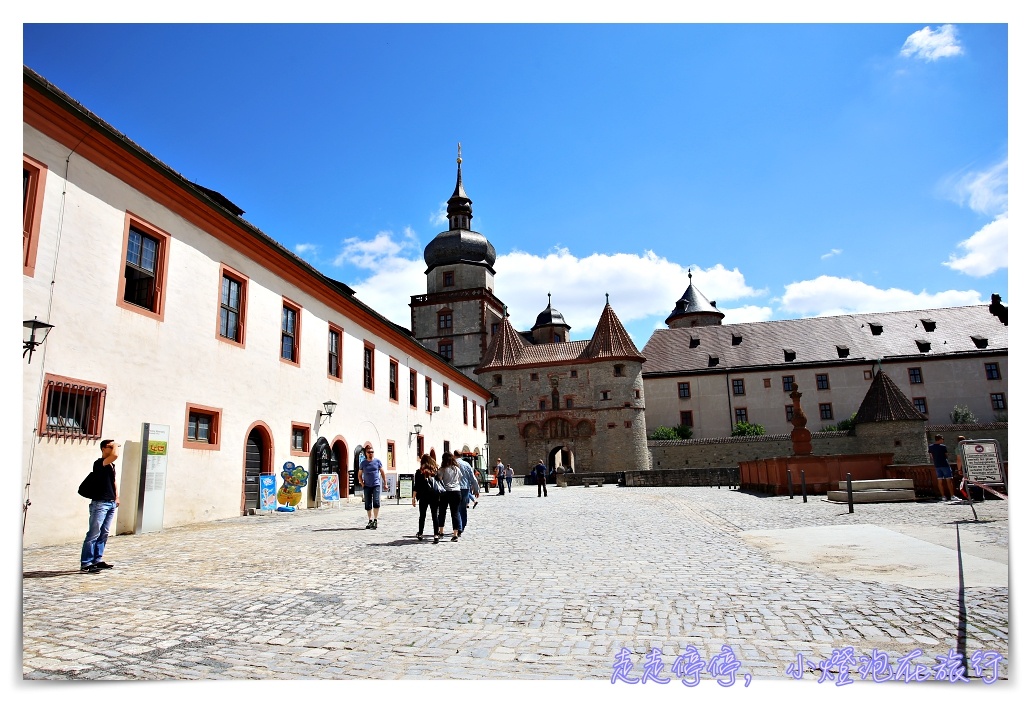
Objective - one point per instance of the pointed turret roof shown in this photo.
(459, 244)
(693, 302)
(611, 340)
(459, 202)
(885, 402)
(505, 349)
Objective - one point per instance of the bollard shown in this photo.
(804, 494)
(851, 501)
(719, 478)
(790, 484)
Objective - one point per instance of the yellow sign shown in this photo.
(157, 448)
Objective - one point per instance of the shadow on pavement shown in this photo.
(49, 573)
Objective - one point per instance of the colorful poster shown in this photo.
(266, 492)
(329, 487)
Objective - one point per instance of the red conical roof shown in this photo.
(504, 350)
(611, 340)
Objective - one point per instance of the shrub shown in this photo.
(843, 425)
(684, 432)
(961, 414)
(748, 429)
(664, 434)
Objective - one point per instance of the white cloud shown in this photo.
(833, 252)
(829, 295)
(985, 192)
(986, 251)
(931, 44)
(747, 313)
(640, 286)
(439, 218)
(305, 249)
(373, 253)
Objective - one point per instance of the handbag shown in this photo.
(86, 487)
(435, 485)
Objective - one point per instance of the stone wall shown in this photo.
(992, 430)
(729, 451)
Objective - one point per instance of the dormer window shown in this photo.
(923, 345)
(876, 329)
(713, 361)
(979, 341)
(737, 338)
(928, 324)
(789, 355)
(843, 351)
(695, 341)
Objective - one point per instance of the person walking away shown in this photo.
(499, 472)
(509, 474)
(541, 478)
(469, 487)
(939, 453)
(372, 478)
(425, 495)
(103, 503)
(450, 475)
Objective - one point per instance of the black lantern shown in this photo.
(328, 407)
(32, 326)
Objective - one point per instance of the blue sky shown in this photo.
(798, 170)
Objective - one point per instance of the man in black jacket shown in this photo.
(541, 478)
(101, 509)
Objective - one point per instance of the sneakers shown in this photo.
(369, 525)
(436, 538)
(89, 569)
(375, 523)
(418, 536)
(454, 538)
(953, 497)
(102, 566)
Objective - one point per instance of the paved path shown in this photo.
(585, 571)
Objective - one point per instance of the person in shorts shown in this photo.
(372, 478)
(939, 453)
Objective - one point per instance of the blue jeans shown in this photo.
(463, 509)
(101, 514)
(371, 497)
(508, 480)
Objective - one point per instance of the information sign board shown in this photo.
(981, 461)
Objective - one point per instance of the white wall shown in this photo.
(152, 369)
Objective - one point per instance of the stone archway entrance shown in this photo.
(561, 456)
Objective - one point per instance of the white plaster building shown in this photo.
(708, 375)
(169, 308)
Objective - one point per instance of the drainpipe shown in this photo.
(729, 401)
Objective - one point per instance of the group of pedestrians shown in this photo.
(451, 485)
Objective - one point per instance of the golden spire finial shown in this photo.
(459, 153)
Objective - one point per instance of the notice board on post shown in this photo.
(982, 462)
(153, 470)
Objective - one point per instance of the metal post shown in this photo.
(790, 484)
(804, 494)
(851, 500)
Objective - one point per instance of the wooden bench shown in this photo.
(587, 482)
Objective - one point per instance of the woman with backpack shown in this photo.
(426, 495)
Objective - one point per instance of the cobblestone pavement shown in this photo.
(585, 572)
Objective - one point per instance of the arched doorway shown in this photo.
(257, 461)
(561, 456)
(359, 456)
(340, 454)
(322, 461)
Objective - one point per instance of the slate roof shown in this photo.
(825, 340)
(884, 402)
(510, 349)
(693, 302)
(550, 317)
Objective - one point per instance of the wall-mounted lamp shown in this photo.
(328, 407)
(418, 430)
(31, 327)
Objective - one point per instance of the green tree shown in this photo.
(961, 414)
(748, 429)
(684, 432)
(843, 425)
(664, 434)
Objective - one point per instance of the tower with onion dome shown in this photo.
(459, 312)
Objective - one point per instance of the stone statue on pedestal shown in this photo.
(799, 436)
